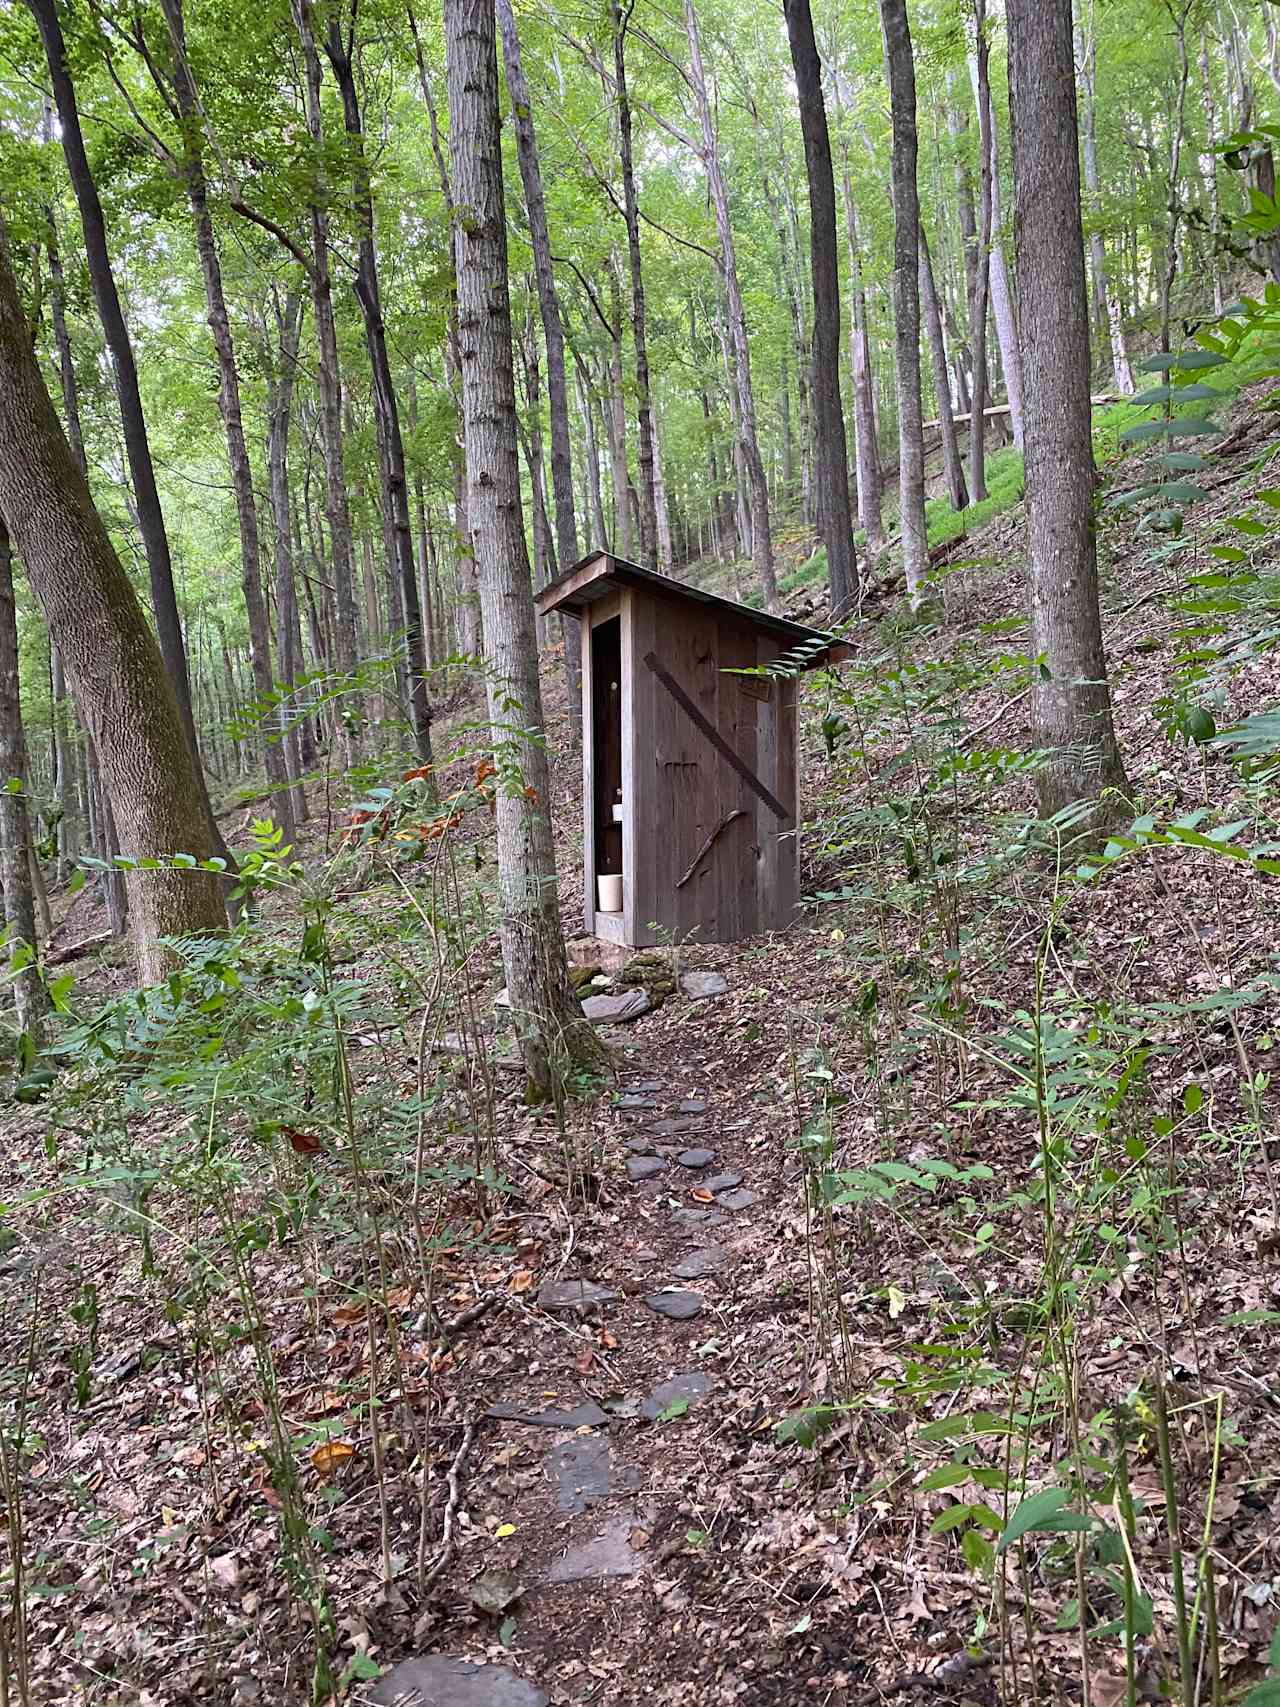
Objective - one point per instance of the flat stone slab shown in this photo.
(696, 1158)
(689, 1387)
(610, 1010)
(677, 1305)
(579, 1471)
(694, 1220)
(700, 1262)
(439, 1681)
(630, 1101)
(691, 1105)
(723, 1182)
(701, 986)
(586, 1415)
(574, 1295)
(610, 1554)
(737, 1199)
(644, 1167)
(673, 1128)
(639, 1145)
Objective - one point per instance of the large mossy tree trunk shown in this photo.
(554, 1035)
(113, 664)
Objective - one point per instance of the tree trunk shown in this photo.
(1070, 693)
(340, 49)
(552, 338)
(835, 518)
(113, 663)
(15, 827)
(329, 380)
(648, 529)
(900, 68)
(866, 448)
(999, 287)
(616, 424)
(981, 280)
(586, 406)
(1106, 305)
(280, 387)
(125, 373)
(757, 486)
(191, 168)
(552, 1031)
(952, 461)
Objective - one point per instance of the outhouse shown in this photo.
(689, 742)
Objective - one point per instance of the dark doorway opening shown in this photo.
(606, 725)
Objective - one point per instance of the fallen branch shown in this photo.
(707, 845)
(428, 1575)
(472, 1313)
(74, 950)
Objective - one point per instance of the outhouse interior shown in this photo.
(689, 740)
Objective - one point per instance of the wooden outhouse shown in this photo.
(689, 767)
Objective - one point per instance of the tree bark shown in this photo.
(190, 167)
(999, 288)
(834, 515)
(981, 279)
(328, 378)
(639, 332)
(952, 462)
(866, 446)
(1072, 701)
(29, 996)
(124, 370)
(900, 68)
(553, 339)
(340, 48)
(616, 423)
(114, 666)
(553, 1034)
(280, 387)
(1106, 302)
(758, 490)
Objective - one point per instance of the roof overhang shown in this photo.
(600, 573)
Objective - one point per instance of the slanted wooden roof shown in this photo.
(600, 572)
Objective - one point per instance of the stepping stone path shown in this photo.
(696, 1158)
(684, 1389)
(609, 1555)
(611, 1010)
(586, 1415)
(556, 1295)
(679, 1306)
(701, 986)
(579, 1471)
(582, 1468)
(722, 1182)
(694, 1220)
(439, 1681)
(704, 1261)
(737, 1199)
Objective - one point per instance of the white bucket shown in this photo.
(609, 892)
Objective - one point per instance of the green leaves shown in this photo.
(1043, 1513)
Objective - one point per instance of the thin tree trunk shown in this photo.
(113, 663)
(340, 48)
(553, 340)
(1106, 304)
(125, 373)
(866, 448)
(552, 1032)
(329, 379)
(981, 275)
(900, 68)
(999, 288)
(834, 515)
(15, 826)
(757, 486)
(616, 422)
(639, 335)
(952, 462)
(586, 408)
(191, 170)
(1072, 701)
(280, 387)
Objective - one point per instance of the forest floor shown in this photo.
(749, 1503)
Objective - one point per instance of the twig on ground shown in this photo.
(430, 1574)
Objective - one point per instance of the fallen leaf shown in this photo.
(700, 1194)
(522, 1280)
(503, 1530)
(330, 1453)
(225, 1569)
(495, 1590)
(305, 1143)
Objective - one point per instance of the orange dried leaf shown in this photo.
(700, 1194)
(305, 1143)
(522, 1280)
(330, 1453)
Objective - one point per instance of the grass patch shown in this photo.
(1004, 490)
